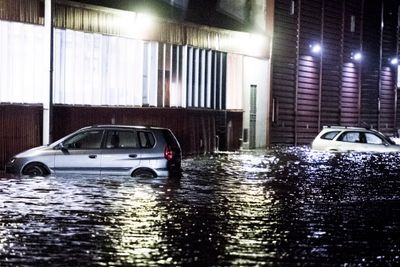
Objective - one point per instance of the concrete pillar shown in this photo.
(48, 95)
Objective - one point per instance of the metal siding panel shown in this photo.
(195, 129)
(284, 72)
(21, 128)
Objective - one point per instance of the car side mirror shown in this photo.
(62, 148)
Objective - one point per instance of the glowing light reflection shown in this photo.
(257, 205)
(140, 222)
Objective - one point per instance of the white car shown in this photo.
(351, 139)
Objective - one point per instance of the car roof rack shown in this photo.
(342, 127)
(364, 125)
(125, 126)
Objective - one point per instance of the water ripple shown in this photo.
(284, 206)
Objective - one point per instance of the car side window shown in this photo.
(122, 139)
(146, 139)
(85, 140)
(330, 135)
(351, 137)
(373, 139)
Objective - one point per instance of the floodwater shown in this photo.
(280, 207)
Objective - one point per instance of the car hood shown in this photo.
(33, 151)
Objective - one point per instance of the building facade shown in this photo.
(351, 81)
(69, 64)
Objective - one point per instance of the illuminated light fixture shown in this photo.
(137, 25)
(394, 61)
(315, 48)
(144, 20)
(256, 43)
(357, 56)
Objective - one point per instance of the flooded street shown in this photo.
(280, 207)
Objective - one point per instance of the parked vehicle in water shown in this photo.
(104, 149)
(352, 139)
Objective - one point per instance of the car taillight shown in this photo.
(168, 153)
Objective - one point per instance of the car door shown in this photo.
(121, 152)
(350, 141)
(80, 153)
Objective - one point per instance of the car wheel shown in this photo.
(144, 173)
(34, 169)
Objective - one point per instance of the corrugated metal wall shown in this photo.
(330, 96)
(388, 92)
(284, 69)
(29, 11)
(351, 43)
(196, 130)
(20, 129)
(308, 70)
(311, 90)
(371, 62)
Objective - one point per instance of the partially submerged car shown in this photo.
(352, 139)
(104, 149)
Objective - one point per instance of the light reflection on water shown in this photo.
(284, 206)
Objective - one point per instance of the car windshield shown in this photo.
(390, 141)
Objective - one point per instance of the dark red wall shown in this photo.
(196, 130)
(20, 129)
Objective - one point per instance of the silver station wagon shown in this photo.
(104, 150)
(352, 139)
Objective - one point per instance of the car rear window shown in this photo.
(330, 135)
(146, 139)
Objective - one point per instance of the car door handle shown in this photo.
(92, 156)
(133, 155)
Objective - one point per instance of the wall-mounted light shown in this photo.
(394, 60)
(315, 48)
(357, 56)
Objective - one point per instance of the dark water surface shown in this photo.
(280, 207)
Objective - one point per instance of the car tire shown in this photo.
(144, 173)
(34, 169)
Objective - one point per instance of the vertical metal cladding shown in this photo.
(311, 90)
(196, 129)
(284, 63)
(20, 129)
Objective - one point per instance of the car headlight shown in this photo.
(11, 161)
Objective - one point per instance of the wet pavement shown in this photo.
(279, 207)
